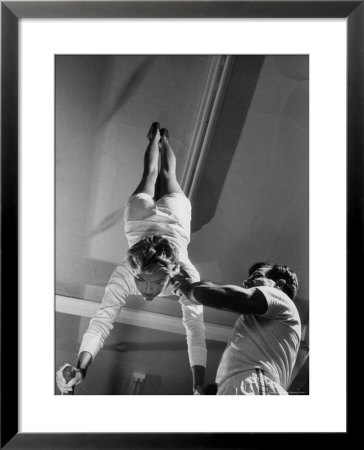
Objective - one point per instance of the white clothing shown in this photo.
(269, 341)
(251, 382)
(169, 217)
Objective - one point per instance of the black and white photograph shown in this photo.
(181, 200)
(181, 224)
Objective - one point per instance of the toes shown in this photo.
(164, 133)
(153, 130)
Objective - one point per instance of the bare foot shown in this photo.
(164, 133)
(154, 129)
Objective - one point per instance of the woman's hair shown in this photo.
(279, 272)
(151, 254)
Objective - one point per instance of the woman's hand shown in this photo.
(64, 386)
(198, 391)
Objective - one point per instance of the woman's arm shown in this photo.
(192, 319)
(118, 288)
(198, 375)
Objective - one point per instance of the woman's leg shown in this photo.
(168, 181)
(157, 188)
(151, 161)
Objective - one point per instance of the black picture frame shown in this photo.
(11, 12)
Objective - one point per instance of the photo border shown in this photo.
(11, 12)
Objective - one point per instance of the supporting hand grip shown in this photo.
(69, 373)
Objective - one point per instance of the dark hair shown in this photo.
(151, 254)
(279, 272)
(257, 266)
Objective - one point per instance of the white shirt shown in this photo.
(269, 341)
(120, 286)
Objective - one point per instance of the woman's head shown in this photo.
(153, 261)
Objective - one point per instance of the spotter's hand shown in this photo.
(182, 281)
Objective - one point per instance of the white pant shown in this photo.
(141, 206)
(254, 382)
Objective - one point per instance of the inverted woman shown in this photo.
(157, 222)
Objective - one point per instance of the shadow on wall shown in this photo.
(127, 89)
(239, 93)
(123, 94)
(94, 273)
(128, 346)
(302, 306)
(108, 222)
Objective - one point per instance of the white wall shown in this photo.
(252, 202)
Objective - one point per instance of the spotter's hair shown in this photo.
(151, 254)
(279, 272)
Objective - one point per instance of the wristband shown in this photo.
(83, 371)
(191, 288)
(190, 291)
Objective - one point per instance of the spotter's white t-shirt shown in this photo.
(269, 341)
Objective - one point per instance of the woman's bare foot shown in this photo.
(153, 130)
(164, 133)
